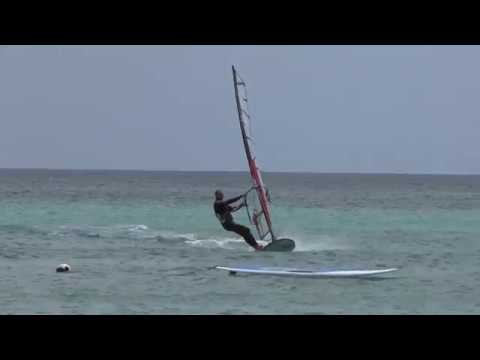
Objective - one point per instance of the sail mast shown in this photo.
(240, 116)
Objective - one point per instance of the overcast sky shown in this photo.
(401, 109)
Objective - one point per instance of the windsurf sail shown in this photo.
(260, 216)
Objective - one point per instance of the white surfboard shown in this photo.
(260, 270)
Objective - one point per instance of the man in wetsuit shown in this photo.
(223, 211)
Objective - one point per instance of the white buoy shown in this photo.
(63, 268)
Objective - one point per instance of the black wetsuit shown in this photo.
(223, 213)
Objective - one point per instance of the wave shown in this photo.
(126, 232)
(23, 229)
(141, 232)
(83, 231)
(105, 232)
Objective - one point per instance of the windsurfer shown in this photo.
(224, 211)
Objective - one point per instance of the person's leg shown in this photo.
(244, 232)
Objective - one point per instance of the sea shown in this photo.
(148, 242)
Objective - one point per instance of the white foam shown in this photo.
(317, 243)
(303, 243)
(138, 227)
(169, 235)
(226, 243)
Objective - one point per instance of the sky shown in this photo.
(355, 109)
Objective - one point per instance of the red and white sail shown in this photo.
(261, 213)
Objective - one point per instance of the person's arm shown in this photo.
(232, 200)
(235, 208)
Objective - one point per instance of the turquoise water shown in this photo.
(147, 242)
